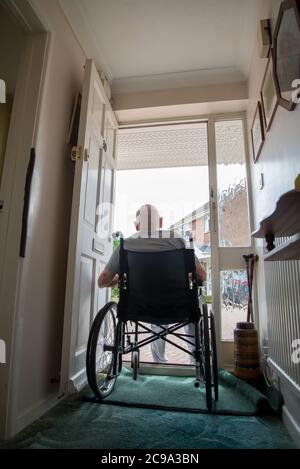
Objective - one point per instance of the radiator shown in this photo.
(283, 309)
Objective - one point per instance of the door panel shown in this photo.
(105, 209)
(110, 133)
(85, 301)
(89, 248)
(92, 183)
(102, 294)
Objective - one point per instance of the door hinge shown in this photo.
(76, 153)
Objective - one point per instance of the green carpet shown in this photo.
(76, 424)
(178, 393)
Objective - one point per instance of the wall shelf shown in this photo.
(284, 221)
(290, 250)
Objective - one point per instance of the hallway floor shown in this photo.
(74, 423)
(85, 425)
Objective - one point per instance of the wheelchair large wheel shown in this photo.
(102, 352)
(207, 357)
(214, 361)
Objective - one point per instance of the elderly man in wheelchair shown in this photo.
(159, 278)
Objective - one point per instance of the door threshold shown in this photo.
(170, 369)
(164, 369)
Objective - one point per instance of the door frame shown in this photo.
(225, 347)
(215, 260)
(21, 138)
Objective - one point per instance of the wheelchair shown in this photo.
(154, 288)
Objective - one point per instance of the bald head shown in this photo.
(148, 219)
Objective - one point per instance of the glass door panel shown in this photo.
(234, 300)
(233, 212)
(231, 229)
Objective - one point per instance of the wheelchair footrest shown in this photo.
(197, 383)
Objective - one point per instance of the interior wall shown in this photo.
(279, 162)
(11, 46)
(5, 115)
(180, 96)
(42, 286)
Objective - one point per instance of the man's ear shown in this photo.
(161, 222)
(137, 226)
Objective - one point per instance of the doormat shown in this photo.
(174, 393)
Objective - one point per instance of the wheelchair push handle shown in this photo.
(189, 237)
(117, 234)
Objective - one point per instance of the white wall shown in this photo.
(11, 45)
(279, 162)
(180, 96)
(42, 289)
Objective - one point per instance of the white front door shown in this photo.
(91, 221)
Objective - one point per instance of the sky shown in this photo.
(174, 191)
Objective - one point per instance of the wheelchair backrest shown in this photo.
(152, 282)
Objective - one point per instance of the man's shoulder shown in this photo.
(171, 234)
(160, 240)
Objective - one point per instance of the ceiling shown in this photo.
(157, 44)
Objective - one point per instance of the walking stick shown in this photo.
(250, 262)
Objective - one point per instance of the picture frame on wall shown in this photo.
(268, 95)
(257, 132)
(286, 56)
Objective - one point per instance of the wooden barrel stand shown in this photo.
(246, 352)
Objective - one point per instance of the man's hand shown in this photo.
(114, 281)
(201, 272)
(107, 279)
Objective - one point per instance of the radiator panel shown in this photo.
(283, 308)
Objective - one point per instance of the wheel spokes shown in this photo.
(106, 338)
